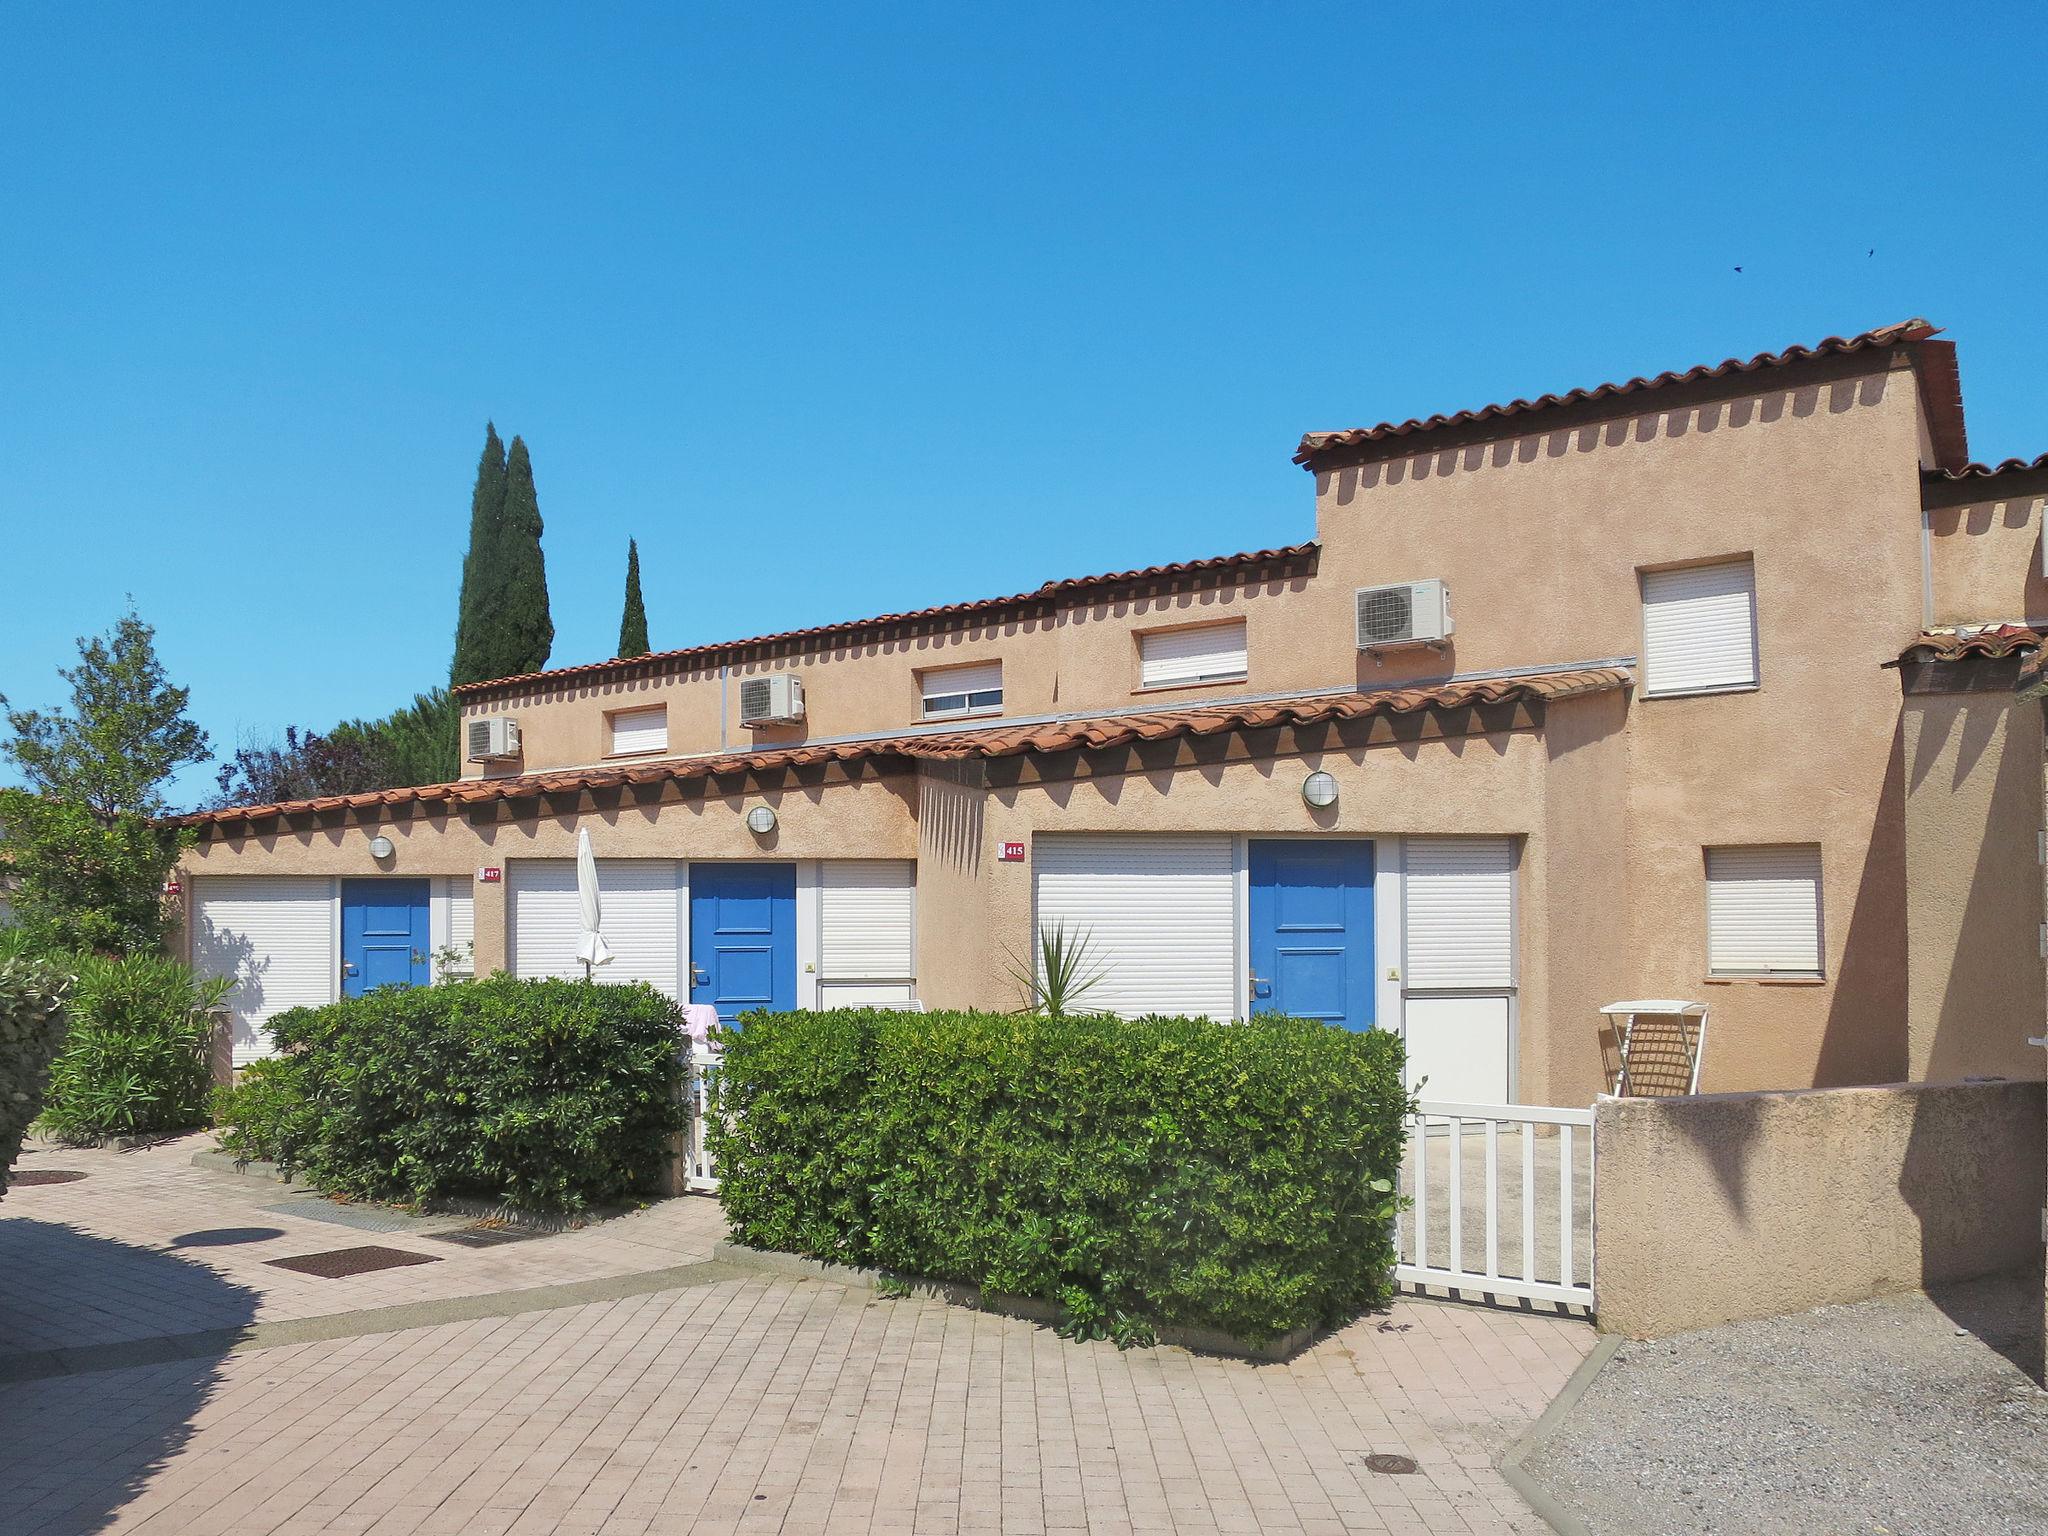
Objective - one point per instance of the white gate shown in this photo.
(699, 1175)
(1503, 1202)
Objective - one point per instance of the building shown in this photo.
(1703, 685)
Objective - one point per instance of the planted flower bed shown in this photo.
(1136, 1174)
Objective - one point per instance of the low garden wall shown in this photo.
(1713, 1209)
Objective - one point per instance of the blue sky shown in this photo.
(850, 309)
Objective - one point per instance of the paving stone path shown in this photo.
(612, 1380)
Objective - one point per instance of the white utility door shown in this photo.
(865, 932)
(1159, 915)
(639, 916)
(1458, 923)
(275, 935)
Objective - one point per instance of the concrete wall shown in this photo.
(1976, 987)
(1731, 1206)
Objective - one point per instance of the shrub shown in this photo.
(549, 1095)
(1134, 1172)
(31, 1028)
(138, 1057)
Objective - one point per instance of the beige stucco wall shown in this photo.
(1973, 827)
(1986, 561)
(1542, 539)
(1714, 1209)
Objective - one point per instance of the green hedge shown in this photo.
(1136, 1172)
(31, 1028)
(547, 1095)
(138, 1057)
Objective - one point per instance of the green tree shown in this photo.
(125, 735)
(486, 515)
(418, 744)
(502, 626)
(87, 855)
(633, 623)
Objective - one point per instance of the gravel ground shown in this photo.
(1903, 1416)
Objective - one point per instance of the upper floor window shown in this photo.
(1213, 653)
(1699, 629)
(639, 730)
(1763, 911)
(974, 689)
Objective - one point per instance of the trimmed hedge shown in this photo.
(1136, 1172)
(31, 1029)
(546, 1095)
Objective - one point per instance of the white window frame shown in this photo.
(611, 727)
(1233, 674)
(957, 702)
(1647, 580)
(1731, 855)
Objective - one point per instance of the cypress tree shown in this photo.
(503, 627)
(633, 623)
(486, 510)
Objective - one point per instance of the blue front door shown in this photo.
(383, 935)
(743, 937)
(1311, 930)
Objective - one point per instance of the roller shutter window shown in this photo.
(274, 935)
(969, 690)
(639, 914)
(1159, 916)
(1214, 653)
(1763, 911)
(1699, 629)
(461, 925)
(864, 920)
(1458, 912)
(640, 730)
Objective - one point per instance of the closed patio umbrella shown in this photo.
(591, 949)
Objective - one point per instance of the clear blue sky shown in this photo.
(849, 309)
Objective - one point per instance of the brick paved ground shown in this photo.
(729, 1404)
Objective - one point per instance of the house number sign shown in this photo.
(1013, 853)
(490, 874)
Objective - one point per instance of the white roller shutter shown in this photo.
(1763, 911)
(864, 920)
(640, 730)
(461, 936)
(1213, 653)
(639, 917)
(1699, 628)
(1160, 915)
(962, 690)
(274, 934)
(1458, 911)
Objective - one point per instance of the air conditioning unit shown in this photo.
(491, 737)
(1407, 613)
(777, 699)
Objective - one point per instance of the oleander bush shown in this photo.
(546, 1095)
(138, 1058)
(32, 991)
(1134, 1172)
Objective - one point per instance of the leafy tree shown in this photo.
(126, 734)
(86, 882)
(633, 624)
(418, 744)
(304, 766)
(503, 627)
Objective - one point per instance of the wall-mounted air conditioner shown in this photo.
(1406, 613)
(777, 699)
(491, 737)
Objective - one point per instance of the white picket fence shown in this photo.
(1502, 1202)
(699, 1176)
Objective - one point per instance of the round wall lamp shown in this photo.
(381, 847)
(1319, 789)
(761, 820)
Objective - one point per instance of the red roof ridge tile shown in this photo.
(991, 741)
(1045, 591)
(1316, 443)
(1986, 471)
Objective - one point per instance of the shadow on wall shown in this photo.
(1864, 1039)
(218, 951)
(76, 1448)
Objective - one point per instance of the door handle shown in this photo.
(698, 975)
(348, 968)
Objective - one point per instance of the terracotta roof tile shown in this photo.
(1314, 444)
(1050, 593)
(1987, 471)
(1990, 642)
(985, 742)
